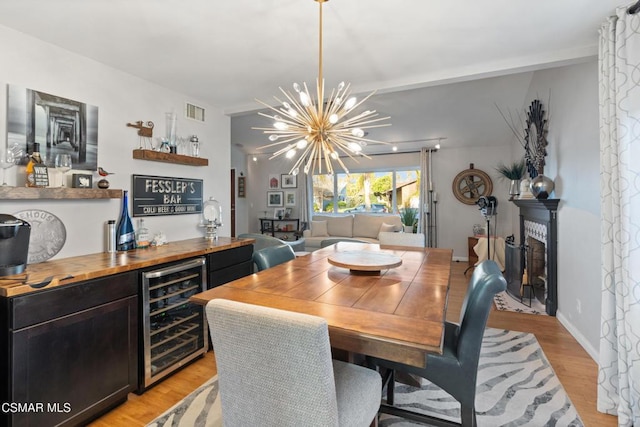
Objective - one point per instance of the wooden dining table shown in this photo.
(396, 313)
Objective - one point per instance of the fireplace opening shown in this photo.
(536, 265)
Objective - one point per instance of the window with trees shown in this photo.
(375, 192)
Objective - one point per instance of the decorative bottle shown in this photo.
(142, 240)
(125, 235)
(34, 159)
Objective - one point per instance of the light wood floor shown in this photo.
(575, 368)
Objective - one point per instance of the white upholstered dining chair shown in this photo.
(275, 369)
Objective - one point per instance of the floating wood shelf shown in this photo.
(157, 156)
(17, 193)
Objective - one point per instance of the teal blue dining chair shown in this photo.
(272, 256)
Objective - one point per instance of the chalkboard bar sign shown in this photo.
(161, 195)
(41, 175)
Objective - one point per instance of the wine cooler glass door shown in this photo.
(174, 328)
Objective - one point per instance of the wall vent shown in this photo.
(193, 112)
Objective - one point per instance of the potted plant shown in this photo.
(409, 218)
(514, 172)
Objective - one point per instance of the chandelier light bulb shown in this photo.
(291, 153)
(296, 87)
(273, 137)
(334, 155)
(355, 147)
(351, 102)
(280, 125)
(302, 144)
(304, 99)
(295, 171)
(333, 119)
(357, 132)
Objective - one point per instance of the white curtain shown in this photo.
(619, 364)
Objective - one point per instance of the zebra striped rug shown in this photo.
(516, 387)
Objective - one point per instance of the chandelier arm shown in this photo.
(372, 141)
(311, 108)
(350, 154)
(286, 141)
(290, 119)
(362, 116)
(365, 124)
(362, 101)
(298, 107)
(339, 109)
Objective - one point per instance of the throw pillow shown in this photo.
(319, 229)
(387, 227)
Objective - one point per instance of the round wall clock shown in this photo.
(471, 184)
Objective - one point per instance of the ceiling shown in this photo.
(430, 61)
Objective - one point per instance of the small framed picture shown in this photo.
(81, 180)
(274, 198)
(278, 214)
(274, 181)
(287, 213)
(289, 181)
(241, 186)
(289, 198)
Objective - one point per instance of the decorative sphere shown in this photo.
(103, 183)
(541, 187)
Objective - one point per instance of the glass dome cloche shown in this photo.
(212, 215)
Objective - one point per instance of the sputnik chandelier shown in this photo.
(317, 130)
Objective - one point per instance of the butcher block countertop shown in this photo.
(64, 271)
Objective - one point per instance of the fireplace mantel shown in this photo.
(547, 204)
(543, 211)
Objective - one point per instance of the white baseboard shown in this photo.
(578, 336)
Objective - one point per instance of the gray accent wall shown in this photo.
(574, 165)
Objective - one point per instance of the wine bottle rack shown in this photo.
(174, 329)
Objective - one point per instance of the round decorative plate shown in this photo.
(470, 184)
(48, 234)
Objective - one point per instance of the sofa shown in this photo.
(364, 227)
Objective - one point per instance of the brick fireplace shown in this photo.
(538, 251)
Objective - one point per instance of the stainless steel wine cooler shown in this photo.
(174, 329)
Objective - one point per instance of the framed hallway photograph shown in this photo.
(274, 198)
(288, 181)
(52, 124)
(289, 198)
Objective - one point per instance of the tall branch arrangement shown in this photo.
(533, 138)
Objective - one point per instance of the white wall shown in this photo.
(239, 163)
(573, 163)
(121, 98)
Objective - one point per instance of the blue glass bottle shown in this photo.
(125, 235)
